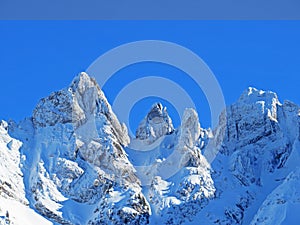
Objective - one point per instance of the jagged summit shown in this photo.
(266, 101)
(252, 95)
(156, 124)
(82, 82)
(81, 76)
(156, 111)
(81, 102)
(70, 104)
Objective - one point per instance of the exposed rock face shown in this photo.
(256, 127)
(156, 124)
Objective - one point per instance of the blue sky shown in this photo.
(38, 57)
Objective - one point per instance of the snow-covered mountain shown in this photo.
(73, 162)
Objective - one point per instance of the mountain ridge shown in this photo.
(78, 165)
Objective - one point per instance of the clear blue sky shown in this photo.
(38, 57)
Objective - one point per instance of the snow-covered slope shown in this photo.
(283, 204)
(14, 213)
(11, 182)
(73, 162)
(14, 207)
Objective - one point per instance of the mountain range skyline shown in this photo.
(38, 58)
(73, 162)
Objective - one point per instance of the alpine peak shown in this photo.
(156, 124)
(252, 95)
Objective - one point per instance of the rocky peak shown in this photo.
(266, 100)
(258, 131)
(254, 115)
(190, 125)
(252, 95)
(83, 82)
(188, 136)
(79, 143)
(82, 102)
(156, 124)
(156, 111)
(69, 104)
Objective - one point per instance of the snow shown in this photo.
(259, 150)
(73, 162)
(20, 214)
(115, 196)
(74, 155)
(11, 181)
(283, 204)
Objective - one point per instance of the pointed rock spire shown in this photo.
(156, 124)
